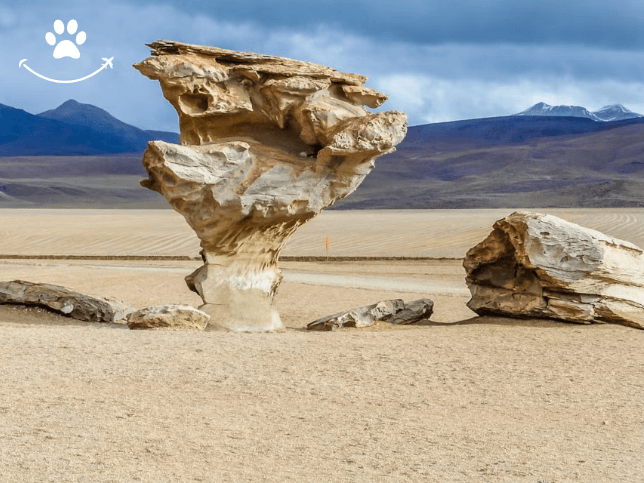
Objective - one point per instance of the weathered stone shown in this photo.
(266, 144)
(534, 265)
(392, 311)
(168, 317)
(64, 301)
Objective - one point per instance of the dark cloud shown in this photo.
(607, 23)
(438, 61)
(604, 23)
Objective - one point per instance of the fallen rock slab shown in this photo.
(266, 144)
(64, 301)
(393, 311)
(168, 317)
(535, 265)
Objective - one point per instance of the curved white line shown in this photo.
(61, 81)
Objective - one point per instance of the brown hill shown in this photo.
(597, 169)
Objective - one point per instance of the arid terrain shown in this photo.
(457, 398)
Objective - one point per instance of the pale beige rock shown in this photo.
(64, 301)
(266, 144)
(535, 265)
(392, 311)
(174, 317)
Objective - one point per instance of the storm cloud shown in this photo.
(437, 60)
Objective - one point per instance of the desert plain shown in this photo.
(457, 398)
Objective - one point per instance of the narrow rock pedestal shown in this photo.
(266, 144)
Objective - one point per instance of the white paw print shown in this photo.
(66, 48)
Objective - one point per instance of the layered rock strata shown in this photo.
(535, 265)
(393, 311)
(64, 301)
(266, 144)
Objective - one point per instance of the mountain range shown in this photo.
(510, 162)
(78, 155)
(614, 112)
(71, 129)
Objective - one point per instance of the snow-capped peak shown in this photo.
(543, 109)
(613, 112)
(613, 106)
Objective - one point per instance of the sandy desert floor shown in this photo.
(455, 399)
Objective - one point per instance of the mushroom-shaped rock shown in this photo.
(64, 301)
(535, 265)
(173, 317)
(393, 311)
(266, 144)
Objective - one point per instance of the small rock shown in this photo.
(168, 317)
(393, 311)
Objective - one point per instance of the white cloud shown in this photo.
(428, 99)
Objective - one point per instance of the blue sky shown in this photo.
(437, 60)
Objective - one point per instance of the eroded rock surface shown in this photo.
(168, 317)
(393, 311)
(266, 144)
(535, 265)
(64, 301)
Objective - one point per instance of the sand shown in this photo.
(456, 399)
(373, 233)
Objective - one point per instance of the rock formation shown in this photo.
(534, 265)
(64, 301)
(266, 144)
(392, 311)
(168, 317)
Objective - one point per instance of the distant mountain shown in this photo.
(510, 162)
(87, 115)
(495, 130)
(543, 109)
(16, 123)
(71, 129)
(615, 112)
(504, 162)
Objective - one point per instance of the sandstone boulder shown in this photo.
(535, 265)
(266, 144)
(64, 301)
(392, 311)
(168, 317)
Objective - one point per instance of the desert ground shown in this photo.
(457, 398)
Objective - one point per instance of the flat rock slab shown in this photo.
(393, 311)
(173, 317)
(64, 301)
(535, 265)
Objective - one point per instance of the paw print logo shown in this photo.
(66, 48)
